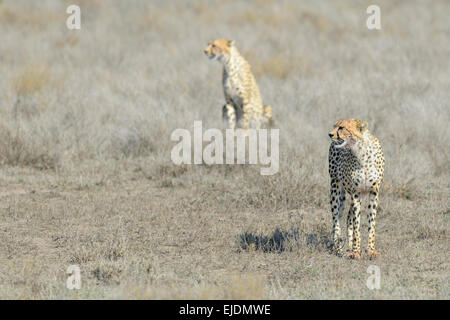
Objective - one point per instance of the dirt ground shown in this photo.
(136, 236)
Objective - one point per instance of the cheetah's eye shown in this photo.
(213, 45)
(340, 128)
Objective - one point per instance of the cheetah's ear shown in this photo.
(363, 126)
(231, 43)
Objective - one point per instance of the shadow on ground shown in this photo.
(283, 240)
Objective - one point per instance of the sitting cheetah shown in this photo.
(243, 106)
(356, 166)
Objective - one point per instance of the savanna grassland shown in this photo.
(86, 176)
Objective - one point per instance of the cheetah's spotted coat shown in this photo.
(356, 166)
(243, 105)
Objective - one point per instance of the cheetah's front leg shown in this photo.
(337, 201)
(373, 204)
(229, 114)
(356, 245)
(350, 220)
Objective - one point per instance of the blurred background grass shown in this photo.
(136, 71)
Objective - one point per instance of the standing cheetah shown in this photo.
(243, 105)
(356, 166)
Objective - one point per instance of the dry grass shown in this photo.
(31, 80)
(86, 175)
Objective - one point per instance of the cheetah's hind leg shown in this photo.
(268, 120)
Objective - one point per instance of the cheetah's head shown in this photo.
(218, 49)
(347, 132)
